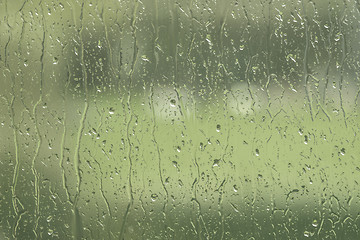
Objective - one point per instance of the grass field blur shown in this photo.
(164, 120)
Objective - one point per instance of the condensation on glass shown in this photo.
(179, 119)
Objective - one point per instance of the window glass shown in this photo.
(179, 119)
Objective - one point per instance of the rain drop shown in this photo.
(306, 139)
(342, 151)
(154, 197)
(172, 102)
(315, 223)
(216, 162)
(337, 37)
(218, 128)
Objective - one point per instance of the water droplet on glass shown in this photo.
(154, 197)
(173, 102)
(315, 223)
(257, 152)
(208, 39)
(342, 151)
(300, 132)
(306, 140)
(337, 37)
(144, 58)
(218, 128)
(201, 146)
(111, 111)
(55, 60)
(216, 162)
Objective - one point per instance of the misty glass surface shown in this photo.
(188, 119)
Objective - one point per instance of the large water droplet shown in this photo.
(154, 197)
(216, 162)
(218, 128)
(172, 102)
(342, 151)
(315, 223)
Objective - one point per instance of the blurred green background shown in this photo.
(179, 120)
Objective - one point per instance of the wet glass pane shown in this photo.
(179, 119)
